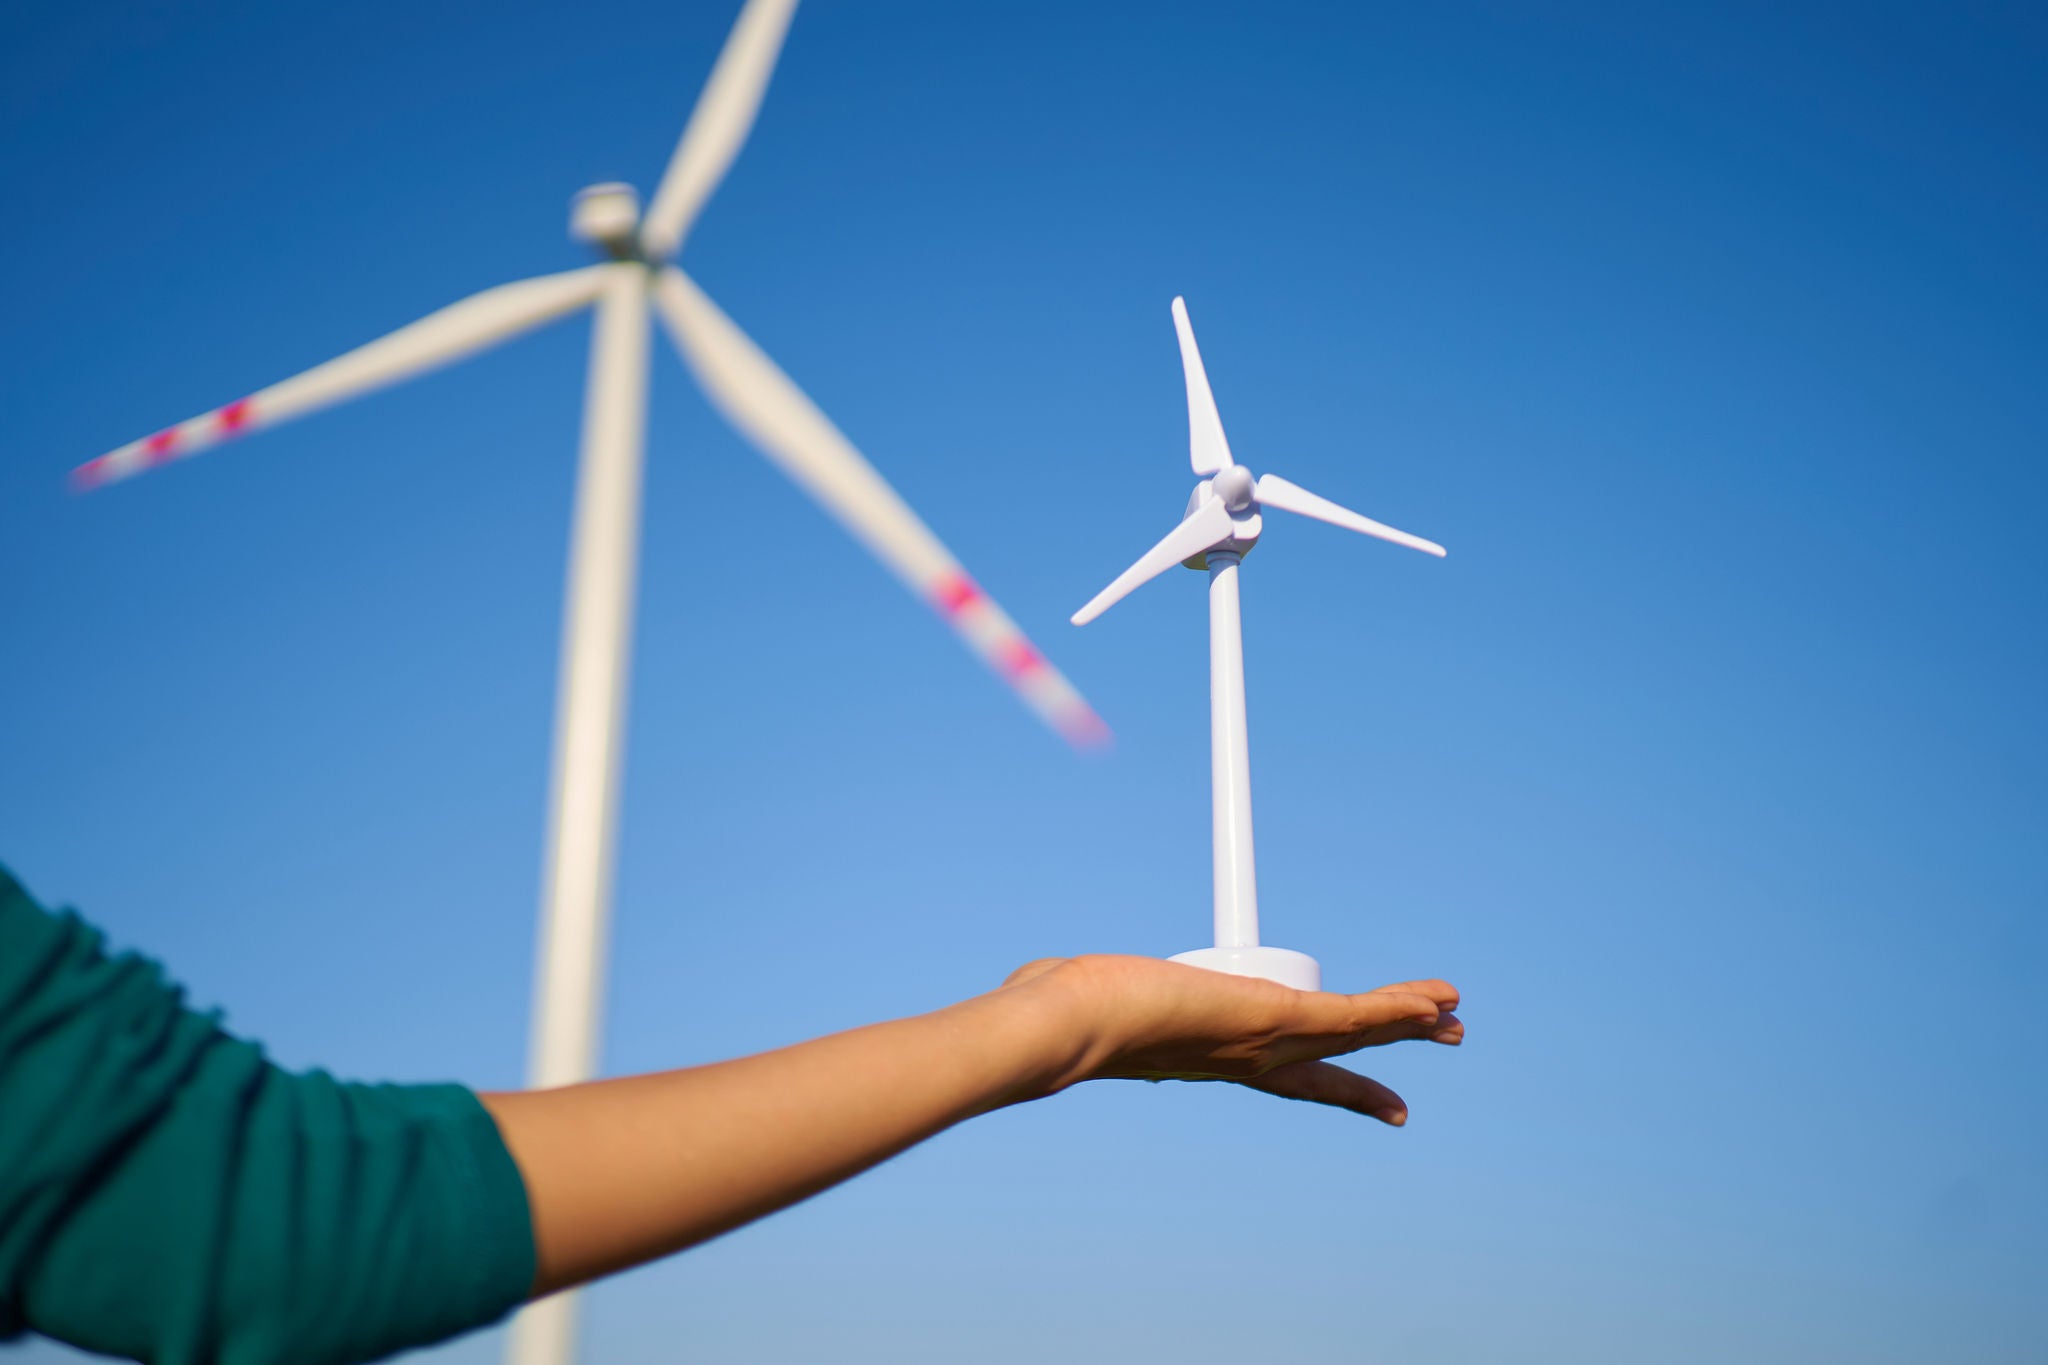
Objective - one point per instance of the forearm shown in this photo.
(623, 1171)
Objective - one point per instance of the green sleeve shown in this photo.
(168, 1194)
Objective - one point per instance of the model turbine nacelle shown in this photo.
(1233, 488)
(1221, 525)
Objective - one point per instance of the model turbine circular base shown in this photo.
(1283, 965)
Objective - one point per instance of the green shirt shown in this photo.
(168, 1194)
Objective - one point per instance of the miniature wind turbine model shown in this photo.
(1221, 526)
(756, 397)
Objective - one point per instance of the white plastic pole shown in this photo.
(590, 723)
(1230, 770)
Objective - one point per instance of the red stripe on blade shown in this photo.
(236, 415)
(1018, 659)
(955, 593)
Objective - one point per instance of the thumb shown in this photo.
(1326, 1083)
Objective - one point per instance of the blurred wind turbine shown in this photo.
(1221, 526)
(756, 397)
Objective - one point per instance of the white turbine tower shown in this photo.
(756, 397)
(1221, 525)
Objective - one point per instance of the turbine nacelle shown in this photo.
(607, 217)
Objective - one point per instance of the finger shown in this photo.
(1429, 1026)
(1401, 996)
(1322, 1083)
(1443, 992)
(1325, 1025)
(1387, 1011)
(1444, 1028)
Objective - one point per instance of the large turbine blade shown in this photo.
(1208, 451)
(774, 414)
(437, 339)
(718, 126)
(1274, 491)
(1207, 525)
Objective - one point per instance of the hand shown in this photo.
(1147, 1019)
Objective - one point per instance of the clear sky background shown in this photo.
(1710, 764)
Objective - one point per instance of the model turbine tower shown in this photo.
(1221, 527)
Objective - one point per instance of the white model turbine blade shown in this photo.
(459, 330)
(769, 409)
(718, 126)
(1274, 491)
(1208, 451)
(1207, 525)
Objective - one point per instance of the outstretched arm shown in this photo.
(623, 1171)
(167, 1193)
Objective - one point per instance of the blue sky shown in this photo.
(1710, 764)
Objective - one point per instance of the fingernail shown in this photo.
(1393, 1114)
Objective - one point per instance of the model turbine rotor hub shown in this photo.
(1236, 487)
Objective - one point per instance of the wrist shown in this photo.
(1052, 1027)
